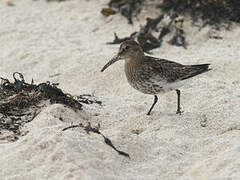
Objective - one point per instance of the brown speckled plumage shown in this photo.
(151, 75)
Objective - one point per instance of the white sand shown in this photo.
(43, 39)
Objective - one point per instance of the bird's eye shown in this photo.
(126, 48)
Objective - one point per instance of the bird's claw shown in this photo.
(179, 112)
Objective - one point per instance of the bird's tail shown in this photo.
(197, 69)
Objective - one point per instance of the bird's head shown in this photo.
(129, 50)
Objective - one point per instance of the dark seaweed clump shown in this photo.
(127, 8)
(216, 13)
(148, 41)
(21, 102)
(212, 12)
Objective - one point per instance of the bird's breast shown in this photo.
(143, 82)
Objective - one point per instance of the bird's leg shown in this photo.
(178, 104)
(154, 102)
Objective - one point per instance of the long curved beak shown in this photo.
(113, 60)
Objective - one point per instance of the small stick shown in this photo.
(231, 129)
(89, 128)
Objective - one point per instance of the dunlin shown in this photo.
(151, 75)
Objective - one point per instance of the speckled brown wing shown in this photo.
(172, 71)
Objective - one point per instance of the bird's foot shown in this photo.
(179, 112)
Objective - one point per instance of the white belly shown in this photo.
(156, 87)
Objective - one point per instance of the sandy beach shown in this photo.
(65, 43)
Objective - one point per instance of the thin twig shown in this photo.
(89, 128)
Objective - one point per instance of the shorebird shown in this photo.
(153, 76)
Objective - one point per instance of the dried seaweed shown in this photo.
(152, 23)
(10, 3)
(108, 11)
(21, 95)
(148, 41)
(89, 128)
(144, 35)
(88, 99)
(237, 127)
(217, 13)
(166, 29)
(211, 12)
(128, 8)
(20, 102)
(179, 38)
(118, 40)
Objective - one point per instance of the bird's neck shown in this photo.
(131, 65)
(134, 60)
